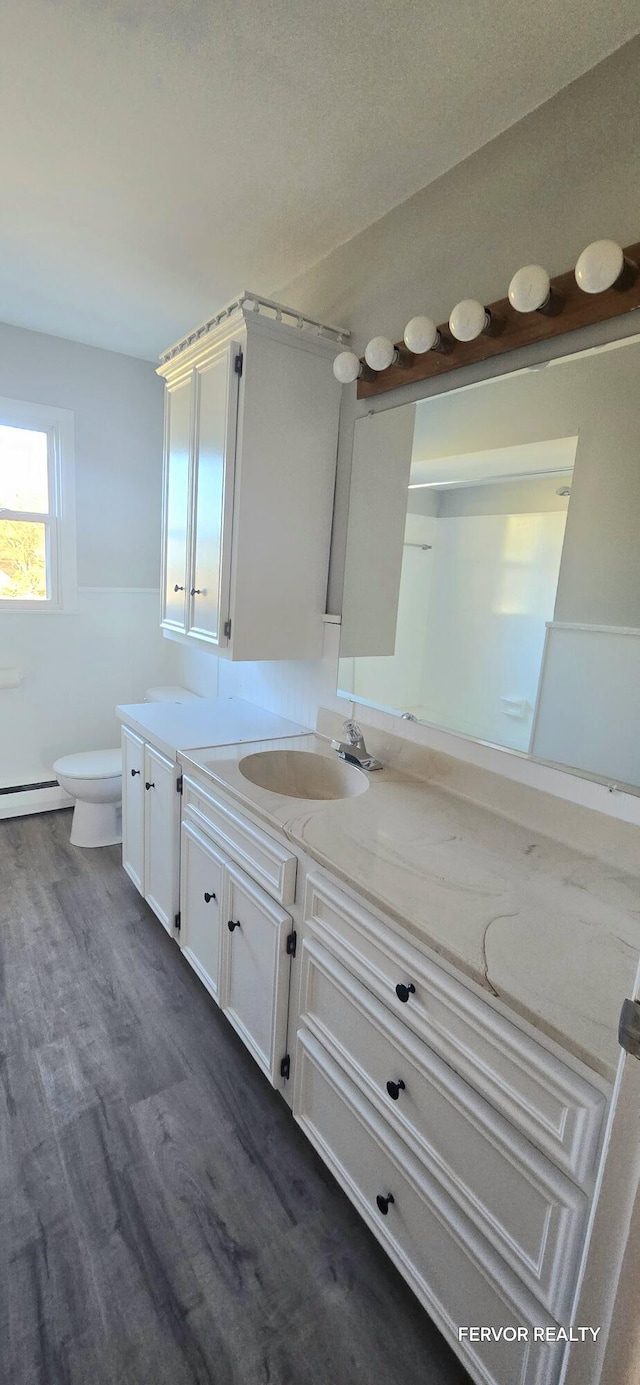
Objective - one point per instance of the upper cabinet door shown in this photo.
(213, 482)
(175, 577)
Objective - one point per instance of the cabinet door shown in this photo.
(161, 836)
(201, 905)
(213, 477)
(133, 793)
(176, 504)
(254, 982)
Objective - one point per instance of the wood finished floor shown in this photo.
(162, 1219)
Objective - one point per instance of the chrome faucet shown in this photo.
(354, 749)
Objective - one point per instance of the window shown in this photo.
(37, 538)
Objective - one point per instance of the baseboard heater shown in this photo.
(26, 788)
(42, 796)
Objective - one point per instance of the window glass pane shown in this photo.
(24, 481)
(23, 565)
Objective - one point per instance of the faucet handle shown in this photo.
(354, 732)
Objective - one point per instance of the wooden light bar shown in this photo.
(513, 329)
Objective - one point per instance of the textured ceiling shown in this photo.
(159, 155)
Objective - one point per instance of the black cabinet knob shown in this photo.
(384, 1203)
(197, 591)
(134, 772)
(403, 992)
(395, 1088)
(177, 588)
(233, 923)
(147, 785)
(209, 896)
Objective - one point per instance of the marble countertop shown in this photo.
(208, 721)
(553, 933)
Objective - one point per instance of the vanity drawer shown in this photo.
(533, 1214)
(263, 858)
(456, 1275)
(554, 1107)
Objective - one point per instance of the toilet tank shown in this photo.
(170, 693)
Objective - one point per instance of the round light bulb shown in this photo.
(420, 335)
(380, 353)
(529, 289)
(468, 319)
(346, 367)
(599, 266)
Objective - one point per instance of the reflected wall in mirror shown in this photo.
(492, 580)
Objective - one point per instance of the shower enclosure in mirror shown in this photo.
(492, 579)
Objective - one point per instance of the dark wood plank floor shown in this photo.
(162, 1219)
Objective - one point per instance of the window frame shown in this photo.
(59, 521)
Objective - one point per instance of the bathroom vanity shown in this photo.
(401, 963)
(152, 736)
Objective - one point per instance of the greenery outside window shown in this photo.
(37, 531)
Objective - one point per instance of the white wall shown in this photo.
(75, 667)
(292, 688)
(589, 708)
(395, 680)
(493, 588)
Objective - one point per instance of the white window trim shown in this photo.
(61, 521)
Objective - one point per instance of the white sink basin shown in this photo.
(303, 774)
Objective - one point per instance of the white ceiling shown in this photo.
(492, 464)
(159, 155)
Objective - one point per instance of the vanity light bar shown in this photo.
(255, 302)
(604, 284)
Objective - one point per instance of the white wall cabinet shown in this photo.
(250, 451)
(151, 825)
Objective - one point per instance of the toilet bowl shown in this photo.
(94, 779)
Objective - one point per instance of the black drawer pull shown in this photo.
(403, 992)
(147, 785)
(197, 591)
(395, 1088)
(233, 923)
(177, 588)
(384, 1203)
(209, 896)
(134, 772)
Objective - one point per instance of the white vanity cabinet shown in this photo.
(151, 825)
(202, 905)
(250, 450)
(470, 1148)
(236, 934)
(254, 991)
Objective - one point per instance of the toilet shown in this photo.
(94, 779)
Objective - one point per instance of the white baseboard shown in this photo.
(17, 805)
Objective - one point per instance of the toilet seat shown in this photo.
(90, 764)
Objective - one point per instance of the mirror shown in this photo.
(492, 576)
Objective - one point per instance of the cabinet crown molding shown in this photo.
(248, 305)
